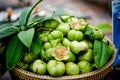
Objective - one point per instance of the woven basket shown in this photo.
(20, 74)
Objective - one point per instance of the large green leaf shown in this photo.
(102, 53)
(25, 15)
(36, 46)
(97, 52)
(7, 30)
(26, 37)
(105, 27)
(14, 52)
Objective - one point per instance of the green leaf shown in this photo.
(97, 52)
(26, 37)
(105, 27)
(25, 15)
(106, 54)
(7, 30)
(102, 53)
(14, 52)
(89, 32)
(36, 46)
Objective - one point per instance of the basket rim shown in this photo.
(31, 74)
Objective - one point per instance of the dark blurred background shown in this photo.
(98, 10)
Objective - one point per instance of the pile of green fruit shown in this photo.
(70, 46)
(54, 45)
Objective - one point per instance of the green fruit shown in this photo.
(43, 56)
(66, 42)
(85, 66)
(65, 18)
(71, 57)
(55, 42)
(64, 28)
(75, 35)
(22, 65)
(73, 19)
(78, 25)
(77, 47)
(39, 67)
(55, 68)
(98, 34)
(51, 23)
(55, 35)
(72, 68)
(48, 53)
(29, 57)
(59, 44)
(89, 43)
(43, 36)
(61, 53)
(88, 56)
(47, 45)
(105, 40)
(111, 48)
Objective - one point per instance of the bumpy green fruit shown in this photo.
(66, 42)
(51, 23)
(73, 19)
(71, 57)
(44, 36)
(55, 68)
(72, 68)
(43, 56)
(111, 48)
(98, 34)
(88, 56)
(65, 18)
(64, 28)
(89, 43)
(55, 42)
(59, 44)
(48, 53)
(75, 35)
(22, 65)
(85, 66)
(78, 25)
(38, 67)
(77, 47)
(55, 35)
(105, 40)
(47, 45)
(29, 57)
